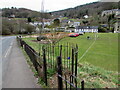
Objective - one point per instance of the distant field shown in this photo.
(102, 52)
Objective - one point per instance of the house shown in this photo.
(35, 23)
(40, 23)
(12, 16)
(86, 16)
(117, 27)
(76, 24)
(113, 11)
(92, 29)
(69, 23)
(64, 22)
(117, 24)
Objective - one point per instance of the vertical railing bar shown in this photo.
(76, 58)
(64, 56)
(72, 63)
(58, 48)
(61, 51)
(48, 53)
(50, 56)
(53, 56)
(66, 82)
(82, 85)
(67, 55)
(70, 82)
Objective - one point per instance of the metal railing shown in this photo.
(62, 57)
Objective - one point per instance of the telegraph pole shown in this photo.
(42, 20)
(42, 14)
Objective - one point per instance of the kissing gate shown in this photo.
(63, 58)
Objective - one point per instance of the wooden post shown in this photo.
(60, 84)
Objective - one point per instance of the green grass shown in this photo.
(103, 53)
(34, 45)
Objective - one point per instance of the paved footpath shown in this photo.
(17, 74)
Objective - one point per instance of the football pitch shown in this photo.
(100, 50)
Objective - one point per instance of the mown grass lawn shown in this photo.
(102, 52)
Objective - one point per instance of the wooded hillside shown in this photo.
(22, 13)
(94, 8)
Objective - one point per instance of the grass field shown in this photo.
(102, 52)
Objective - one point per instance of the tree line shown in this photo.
(90, 9)
(23, 13)
(12, 26)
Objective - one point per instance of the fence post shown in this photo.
(60, 84)
(45, 67)
(82, 85)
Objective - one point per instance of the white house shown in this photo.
(92, 29)
(76, 24)
(86, 16)
(35, 23)
(117, 27)
(117, 24)
(39, 23)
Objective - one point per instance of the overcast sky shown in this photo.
(49, 5)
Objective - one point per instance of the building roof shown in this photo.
(87, 27)
(65, 21)
(112, 10)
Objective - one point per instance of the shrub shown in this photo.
(41, 38)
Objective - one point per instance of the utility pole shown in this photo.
(42, 20)
(42, 14)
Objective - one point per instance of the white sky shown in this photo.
(49, 5)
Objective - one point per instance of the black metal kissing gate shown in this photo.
(68, 75)
(66, 63)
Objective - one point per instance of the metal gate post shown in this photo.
(45, 67)
(60, 83)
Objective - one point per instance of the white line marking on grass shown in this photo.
(87, 50)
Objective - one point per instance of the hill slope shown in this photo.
(89, 9)
(22, 13)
